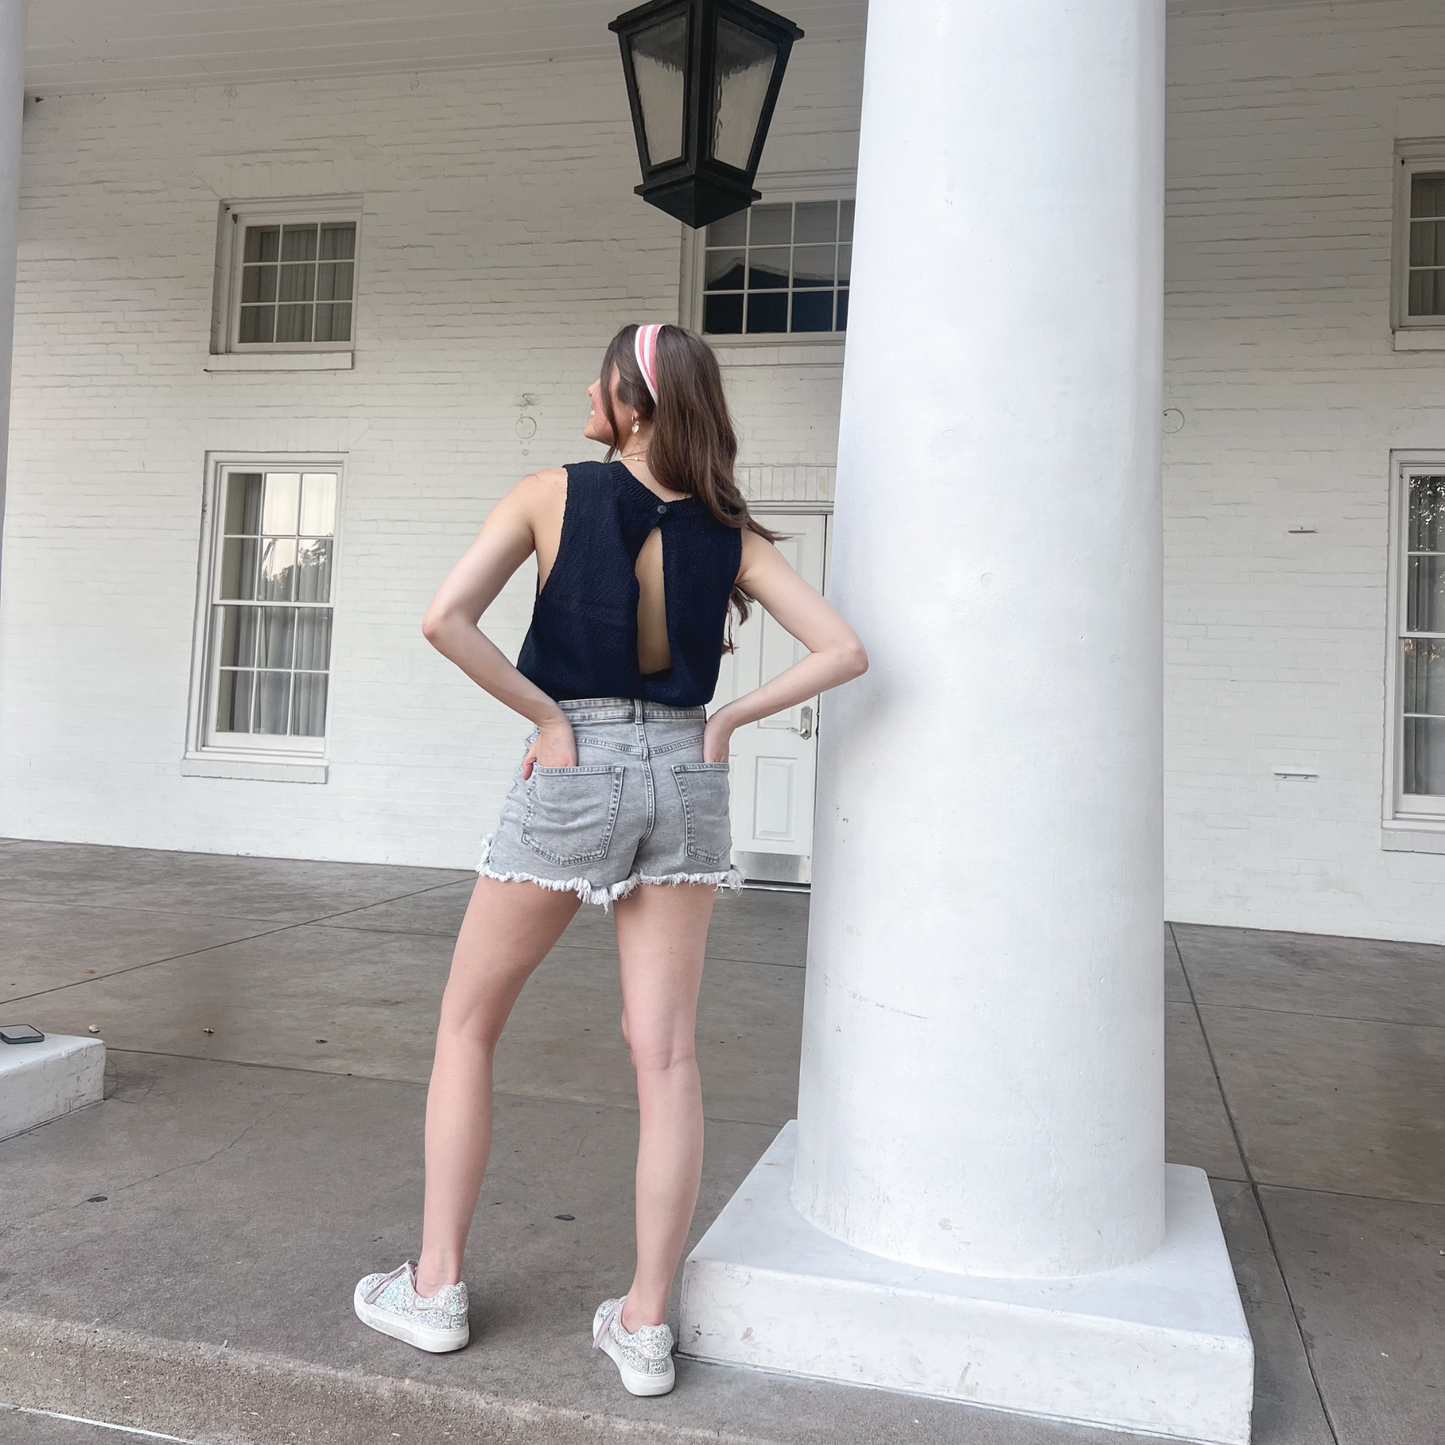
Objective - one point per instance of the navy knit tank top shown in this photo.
(583, 637)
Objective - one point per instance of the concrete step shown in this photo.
(210, 1393)
(43, 1081)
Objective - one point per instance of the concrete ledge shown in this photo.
(208, 1392)
(1160, 1346)
(39, 1082)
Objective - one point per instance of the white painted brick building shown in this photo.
(500, 246)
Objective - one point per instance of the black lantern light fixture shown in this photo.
(702, 78)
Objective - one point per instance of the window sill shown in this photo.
(1413, 835)
(762, 351)
(281, 361)
(1425, 339)
(265, 769)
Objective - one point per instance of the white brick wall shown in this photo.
(1281, 130)
(502, 246)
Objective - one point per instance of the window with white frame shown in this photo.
(267, 607)
(287, 274)
(1417, 725)
(782, 267)
(1419, 279)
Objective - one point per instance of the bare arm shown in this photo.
(835, 653)
(506, 540)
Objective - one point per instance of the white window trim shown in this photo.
(228, 354)
(775, 186)
(277, 760)
(1411, 333)
(1415, 824)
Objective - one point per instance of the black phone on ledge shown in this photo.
(20, 1034)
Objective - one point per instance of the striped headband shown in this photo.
(644, 344)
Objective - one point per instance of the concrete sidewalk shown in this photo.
(180, 1258)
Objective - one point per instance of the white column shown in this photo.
(982, 1083)
(973, 1201)
(12, 105)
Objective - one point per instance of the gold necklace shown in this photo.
(632, 456)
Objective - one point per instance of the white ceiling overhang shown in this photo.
(78, 45)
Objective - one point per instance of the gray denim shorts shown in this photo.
(641, 806)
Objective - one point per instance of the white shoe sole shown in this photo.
(635, 1383)
(424, 1337)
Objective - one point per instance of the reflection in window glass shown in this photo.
(270, 642)
(297, 283)
(1422, 660)
(779, 267)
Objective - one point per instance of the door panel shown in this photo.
(774, 760)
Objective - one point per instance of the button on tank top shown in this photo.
(583, 637)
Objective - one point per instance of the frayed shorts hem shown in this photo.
(606, 894)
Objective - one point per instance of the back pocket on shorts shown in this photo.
(704, 791)
(571, 813)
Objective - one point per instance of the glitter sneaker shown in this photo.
(643, 1358)
(390, 1303)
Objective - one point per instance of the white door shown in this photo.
(774, 761)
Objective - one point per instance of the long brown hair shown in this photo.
(693, 446)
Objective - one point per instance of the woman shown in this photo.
(622, 789)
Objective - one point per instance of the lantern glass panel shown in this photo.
(745, 64)
(659, 67)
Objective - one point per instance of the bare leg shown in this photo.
(509, 929)
(661, 934)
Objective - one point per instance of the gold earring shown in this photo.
(634, 426)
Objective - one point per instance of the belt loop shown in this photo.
(637, 715)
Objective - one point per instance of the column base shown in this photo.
(1160, 1346)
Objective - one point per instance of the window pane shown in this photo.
(1425, 595)
(768, 269)
(771, 225)
(243, 503)
(1427, 293)
(813, 266)
(813, 311)
(1424, 673)
(313, 637)
(1424, 761)
(318, 503)
(333, 321)
(273, 701)
(233, 702)
(297, 283)
(258, 283)
(257, 323)
(723, 271)
(278, 569)
(768, 312)
(308, 705)
(238, 567)
(845, 264)
(293, 323)
(845, 220)
(236, 636)
(731, 231)
(659, 60)
(722, 315)
(1427, 243)
(278, 628)
(298, 243)
(333, 282)
(283, 497)
(263, 243)
(313, 570)
(842, 311)
(815, 221)
(744, 68)
(338, 241)
(1427, 195)
(1427, 515)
